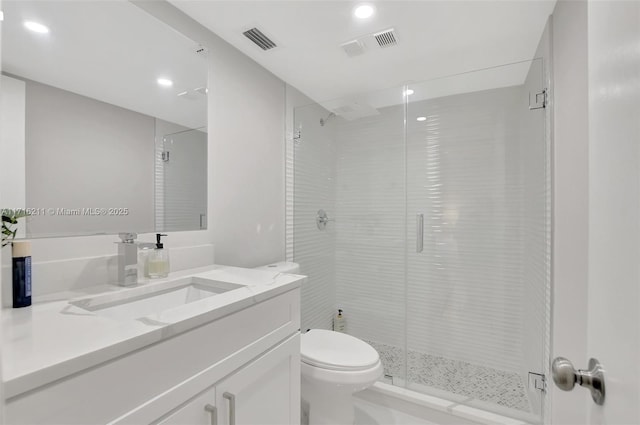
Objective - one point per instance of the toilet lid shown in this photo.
(336, 351)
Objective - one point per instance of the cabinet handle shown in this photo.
(232, 407)
(214, 413)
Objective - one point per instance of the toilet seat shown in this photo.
(337, 351)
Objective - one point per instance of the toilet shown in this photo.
(333, 366)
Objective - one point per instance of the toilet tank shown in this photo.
(281, 267)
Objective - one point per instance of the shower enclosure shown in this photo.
(180, 177)
(435, 237)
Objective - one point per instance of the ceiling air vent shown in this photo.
(353, 48)
(386, 38)
(255, 35)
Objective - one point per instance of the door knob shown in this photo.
(566, 377)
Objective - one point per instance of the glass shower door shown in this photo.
(423, 212)
(478, 224)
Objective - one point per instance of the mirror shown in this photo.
(104, 120)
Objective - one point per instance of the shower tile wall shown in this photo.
(314, 188)
(370, 225)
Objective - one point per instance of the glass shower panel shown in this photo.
(349, 162)
(478, 231)
(181, 180)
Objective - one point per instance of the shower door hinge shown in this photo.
(537, 381)
(538, 100)
(165, 156)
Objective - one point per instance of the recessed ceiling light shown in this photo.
(364, 11)
(164, 82)
(1, 16)
(36, 27)
(408, 92)
(421, 119)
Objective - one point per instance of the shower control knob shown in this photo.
(566, 377)
(322, 219)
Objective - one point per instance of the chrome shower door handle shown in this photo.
(566, 377)
(419, 232)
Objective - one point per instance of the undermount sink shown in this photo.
(153, 298)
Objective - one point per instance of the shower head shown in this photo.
(323, 121)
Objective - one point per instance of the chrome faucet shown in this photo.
(128, 258)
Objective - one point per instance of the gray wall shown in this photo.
(246, 143)
(83, 153)
(247, 106)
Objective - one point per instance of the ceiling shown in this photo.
(435, 39)
(107, 50)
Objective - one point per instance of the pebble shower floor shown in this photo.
(506, 389)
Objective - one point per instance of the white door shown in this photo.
(613, 307)
(614, 206)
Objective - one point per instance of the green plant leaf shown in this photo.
(9, 219)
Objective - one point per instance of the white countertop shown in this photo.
(53, 339)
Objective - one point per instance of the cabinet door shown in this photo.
(198, 411)
(264, 392)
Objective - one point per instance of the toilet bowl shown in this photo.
(334, 366)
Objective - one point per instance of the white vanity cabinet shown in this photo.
(199, 411)
(239, 369)
(264, 392)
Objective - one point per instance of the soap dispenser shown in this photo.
(158, 261)
(339, 322)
